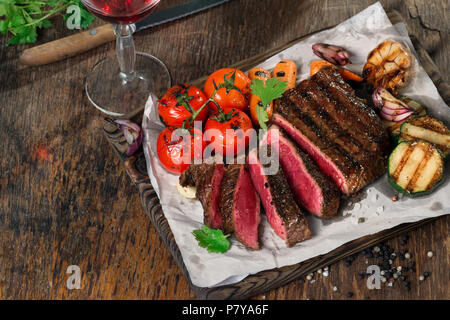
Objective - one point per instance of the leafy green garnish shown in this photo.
(212, 239)
(22, 18)
(267, 91)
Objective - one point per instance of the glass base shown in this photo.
(110, 91)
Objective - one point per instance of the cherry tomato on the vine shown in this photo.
(232, 87)
(179, 103)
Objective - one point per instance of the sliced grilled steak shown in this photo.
(239, 206)
(337, 117)
(312, 190)
(207, 178)
(318, 114)
(282, 211)
(337, 89)
(334, 163)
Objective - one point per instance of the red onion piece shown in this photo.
(394, 112)
(392, 109)
(393, 106)
(334, 54)
(377, 99)
(132, 133)
(397, 118)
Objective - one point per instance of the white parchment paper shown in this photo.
(359, 34)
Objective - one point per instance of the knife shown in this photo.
(69, 46)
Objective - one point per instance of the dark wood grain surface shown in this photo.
(66, 200)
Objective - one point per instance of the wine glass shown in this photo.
(120, 86)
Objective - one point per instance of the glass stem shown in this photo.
(125, 50)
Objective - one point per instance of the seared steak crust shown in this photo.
(201, 176)
(226, 199)
(294, 220)
(283, 213)
(239, 206)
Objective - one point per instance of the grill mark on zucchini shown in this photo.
(420, 168)
(409, 166)
(415, 168)
(402, 162)
(429, 129)
(437, 172)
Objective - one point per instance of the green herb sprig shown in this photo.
(267, 91)
(23, 18)
(211, 239)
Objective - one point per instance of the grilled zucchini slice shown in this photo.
(429, 129)
(415, 168)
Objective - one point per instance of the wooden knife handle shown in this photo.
(67, 47)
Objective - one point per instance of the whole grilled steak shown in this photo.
(312, 190)
(239, 206)
(207, 178)
(282, 211)
(338, 130)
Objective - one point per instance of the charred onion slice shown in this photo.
(415, 168)
(388, 65)
(394, 127)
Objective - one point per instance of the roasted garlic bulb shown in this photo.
(389, 65)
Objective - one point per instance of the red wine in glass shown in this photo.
(121, 11)
(120, 87)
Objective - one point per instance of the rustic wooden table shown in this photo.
(66, 200)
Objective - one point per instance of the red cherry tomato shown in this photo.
(234, 122)
(179, 103)
(177, 151)
(232, 87)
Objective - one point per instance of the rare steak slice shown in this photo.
(312, 190)
(239, 206)
(336, 164)
(207, 178)
(282, 211)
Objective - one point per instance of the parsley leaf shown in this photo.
(267, 91)
(212, 239)
(23, 18)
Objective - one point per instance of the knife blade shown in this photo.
(176, 12)
(78, 43)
